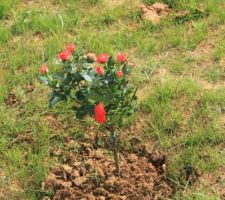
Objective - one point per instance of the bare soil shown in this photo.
(89, 175)
(154, 12)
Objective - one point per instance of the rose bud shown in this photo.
(100, 113)
(119, 74)
(71, 48)
(121, 58)
(43, 69)
(103, 58)
(65, 55)
(100, 70)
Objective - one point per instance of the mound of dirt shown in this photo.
(11, 99)
(155, 12)
(91, 177)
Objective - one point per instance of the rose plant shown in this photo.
(98, 86)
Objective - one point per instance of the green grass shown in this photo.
(183, 117)
(188, 129)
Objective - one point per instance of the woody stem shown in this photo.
(116, 153)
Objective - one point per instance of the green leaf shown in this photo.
(126, 69)
(80, 95)
(59, 76)
(54, 100)
(87, 77)
(84, 110)
(111, 61)
(44, 79)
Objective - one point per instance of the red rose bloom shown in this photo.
(121, 58)
(100, 113)
(100, 70)
(65, 55)
(43, 69)
(119, 74)
(70, 48)
(103, 58)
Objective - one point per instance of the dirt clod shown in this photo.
(132, 158)
(90, 57)
(154, 13)
(100, 171)
(79, 181)
(158, 159)
(139, 178)
(67, 169)
(11, 99)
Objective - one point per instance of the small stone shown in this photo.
(75, 174)
(132, 158)
(76, 164)
(67, 169)
(110, 182)
(85, 145)
(83, 171)
(100, 171)
(91, 197)
(69, 158)
(148, 148)
(89, 152)
(46, 198)
(100, 191)
(67, 184)
(123, 197)
(90, 57)
(99, 154)
(157, 158)
(79, 181)
(89, 164)
(164, 167)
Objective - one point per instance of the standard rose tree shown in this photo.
(97, 87)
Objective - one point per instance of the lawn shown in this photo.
(179, 72)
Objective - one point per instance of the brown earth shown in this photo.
(89, 175)
(154, 12)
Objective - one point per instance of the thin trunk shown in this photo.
(116, 154)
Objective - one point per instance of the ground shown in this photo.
(179, 73)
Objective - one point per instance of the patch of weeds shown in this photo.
(5, 34)
(215, 100)
(166, 119)
(92, 2)
(195, 195)
(149, 27)
(189, 135)
(37, 21)
(193, 14)
(199, 34)
(91, 41)
(95, 177)
(108, 16)
(217, 14)
(220, 50)
(19, 59)
(144, 42)
(124, 39)
(135, 16)
(177, 68)
(180, 65)
(172, 38)
(171, 3)
(215, 74)
(149, 1)
(73, 18)
(52, 46)
(6, 6)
